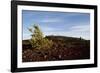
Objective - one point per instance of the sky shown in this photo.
(70, 24)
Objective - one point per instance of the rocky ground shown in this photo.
(59, 51)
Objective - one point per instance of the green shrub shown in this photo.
(38, 41)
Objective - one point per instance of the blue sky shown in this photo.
(57, 23)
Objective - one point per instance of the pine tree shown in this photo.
(37, 40)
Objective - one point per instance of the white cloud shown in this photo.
(51, 20)
(80, 28)
(46, 28)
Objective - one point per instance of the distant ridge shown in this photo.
(64, 37)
